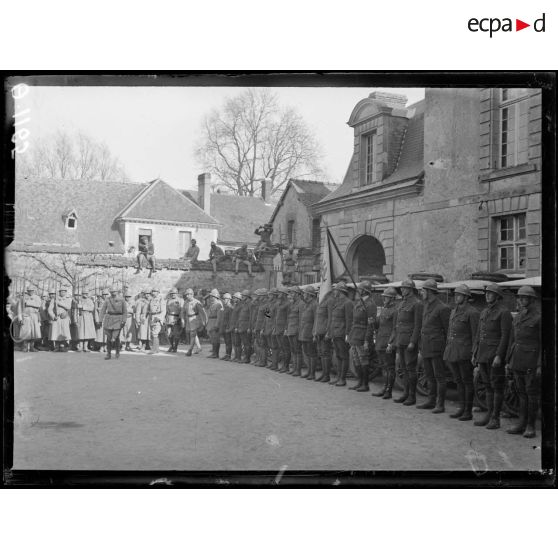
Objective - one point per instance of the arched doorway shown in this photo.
(366, 256)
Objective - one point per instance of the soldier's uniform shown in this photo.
(524, 361)
(323, 315)
(172, 320)
(364, 318)
(30, 330)
(129, 329)
(141, 319)
(194, 319)
(279, 329)
(85, 320)
(406, 330)
(260, 325)
(254, 307)
(463, 323)
(155, 316)
(293, 323)
(236, 338)
(45, 325)
(269, 325)
(99, 332)
(306, 326)
(384, 327)
(226, 327)
(113, 317)
(215, 322)
(339, 329)
(243, 326)
(492, 341)
(59, 313)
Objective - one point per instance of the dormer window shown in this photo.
(70, 219)
(367, 158)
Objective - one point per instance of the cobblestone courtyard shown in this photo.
(78, 411)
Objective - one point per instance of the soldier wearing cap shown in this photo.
(280, 346)
(293, 324)
(523, 361)
(339, 329)
(305, 336)
(463, 323)
(489, 353)
(405, 338)
(141, 319)
(99, 331)
(194, 319)
(226, 328)
(243, 325)
(386, 353)
(28, 318)
(214, 322)
(43, 316)
(216, 255)
(269, 323)
(129, 330)
(362, 333)
(59, 314)
(155, 318)
(74, 316)
(262, 346)
(254, 308)
(323, 315)
(172, 319)
(236, 338)
(85, 320)
(113, 317)
(433, 335)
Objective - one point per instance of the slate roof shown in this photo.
(239, 216)
(411, 157)
(308, 192)
(41, 203)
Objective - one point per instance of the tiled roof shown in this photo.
(411, 158)
(161, 202)
(41, 203)
(238, 215)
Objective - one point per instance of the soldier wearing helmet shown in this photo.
(362, 334)
(269, 323)
(254, 308)
(523, 360)
(339, 329)
(489, 353)
(29, 319)
(155, 318)
(141, 319)
(405, 338)
(172, 319)
(280, 347)
(129, 330)
(261, 343)
(113, 317)
(463, 323)
(236, 338)
(99, 333)
(293, 322)
(226, 328)
(214, 322)
(243, 326)
(194, 320)
(306, 325)
(434, 331)
(323, 315)
(384, 327)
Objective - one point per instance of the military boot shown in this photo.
(412, 397)
(468, 410)
(109, 348)
(311, 368)
(489, 404)
(117, 350)
(440, 398)
(286, 363)
(519, 428)
(364, 386)
(390, 382)
(274, 359)
(359, 372)
(298, 366)
(335, 378)
(532, 410)
(460, 402)
(494, 422)
(325, 371)
(431, 401)
(155, 345)
(341, 382)
(405, 389)
(382, 392)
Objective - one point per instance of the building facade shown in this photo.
(450, 185)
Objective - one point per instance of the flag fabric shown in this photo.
(332, 266)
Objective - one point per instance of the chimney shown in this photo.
(392, 100)
(204, 191)
(266, 189)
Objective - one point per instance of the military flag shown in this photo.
(332, 265)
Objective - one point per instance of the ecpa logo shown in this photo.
(494, 24)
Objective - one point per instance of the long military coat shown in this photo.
(435, 326)
(364, 317)
(384, 325)
(463, 324)
(113, 313)
(307, 319)
(524, 349)
(493, 333)
(407, 323)
(341, 318)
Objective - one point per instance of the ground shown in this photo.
(169, 412)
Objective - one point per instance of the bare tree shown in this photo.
(62, 155)
(251, 137)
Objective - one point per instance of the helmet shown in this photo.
(391, 292)
(128, 295)
(155, 290)
(365, 286)
(263, 292)
(493, 288)
(527, 291)
(215, 293)
(105, 292)
(174, 290)
(188, 291)
(282, 290)
(30, 288)
(237, 295)
(85, 291)
(409, 283)
(430, 285)
(310, 290)
(113, 289)
(246, 293)
(341, 287)
(226, 296)
(462, 289)
(62, 288)
(53, 291)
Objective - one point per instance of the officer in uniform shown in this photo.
(254, 307)
(339, 329)
(236, 338)
(128, 331)
(59, 313)
(362, 333)
(141, 318)
(463, 323)
(99, 332)
(214, 322)
(155, 317)
(405, 338)
(243, 325)
(194, 319)
(386, 353)
(323, 315)
(172, 319)
(113, 318)
(433, 335)
(293, 320)
(281, 341)
(269, 327)
(43, 316)
(263, 347)
(29, 319)
(489, 353)
(305, 336)
(226, 328)
(85, 321)
(523, 361)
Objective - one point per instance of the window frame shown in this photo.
(508, 104)
(368, 151)
(71, 217)
(516, 243)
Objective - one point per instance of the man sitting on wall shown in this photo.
(241, 255)
(193, 252)
(216, 255)
(146, 250)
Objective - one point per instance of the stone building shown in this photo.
(449, 185)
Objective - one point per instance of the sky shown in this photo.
(153, 130)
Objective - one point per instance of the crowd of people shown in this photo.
(292, 330)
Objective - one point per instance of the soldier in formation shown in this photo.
(113, 317)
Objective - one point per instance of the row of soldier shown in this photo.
(287, 328)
